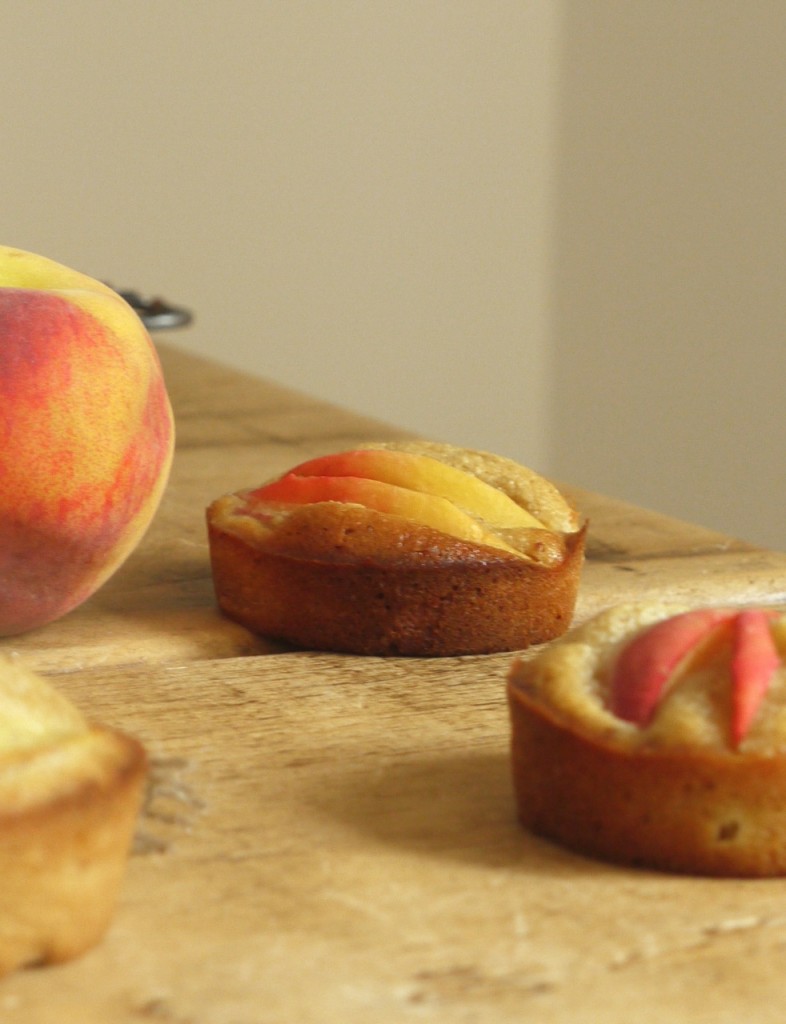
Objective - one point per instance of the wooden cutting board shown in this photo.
(332, 839)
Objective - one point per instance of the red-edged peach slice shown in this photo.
(427, 509)
(650, 660)
(754, 661)
(429, 476)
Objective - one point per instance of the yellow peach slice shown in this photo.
(429, 476)
(427, 509)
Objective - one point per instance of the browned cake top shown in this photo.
(499, 511)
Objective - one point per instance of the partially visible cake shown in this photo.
(399, 549)
(655, 735)
(69, 796)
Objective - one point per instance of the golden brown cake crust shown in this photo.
(341, 577)
(69, 796)
(444, 606)
(645, 800)
(67, 815)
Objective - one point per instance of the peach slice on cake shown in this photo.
(426, 509)
(649, 662)
(424, 475)
(754, 661)
(407, 484)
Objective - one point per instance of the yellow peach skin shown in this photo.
(86, 437)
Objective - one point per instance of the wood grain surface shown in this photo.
(332, 839)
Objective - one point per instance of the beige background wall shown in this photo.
(552, 229)
(668, 328)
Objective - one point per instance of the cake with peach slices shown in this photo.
(655, 735)
(70, 791)
(410, 548)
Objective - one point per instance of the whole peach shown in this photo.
(86, 437)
